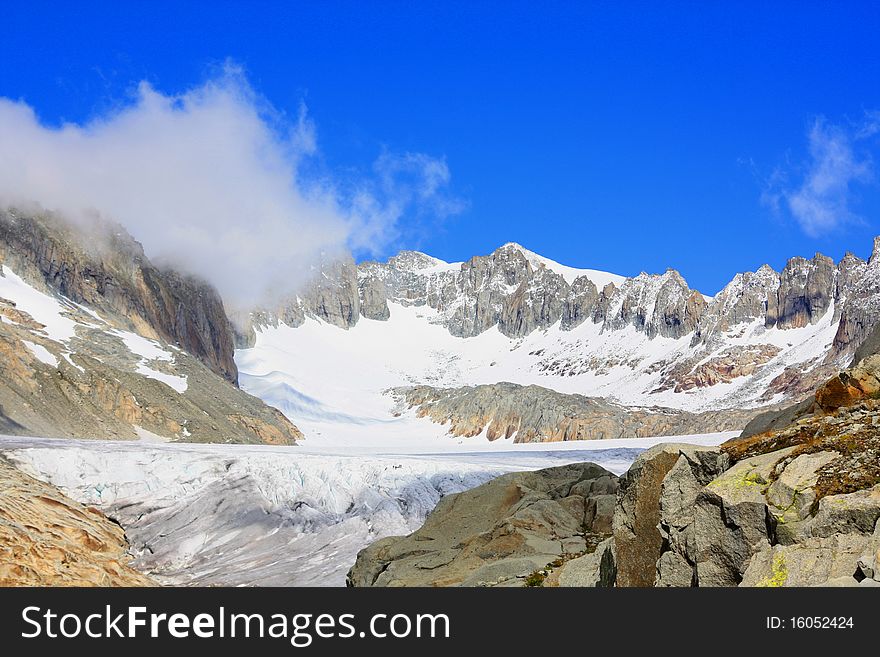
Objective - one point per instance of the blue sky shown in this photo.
(618, 136)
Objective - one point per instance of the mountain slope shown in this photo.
(101, 367)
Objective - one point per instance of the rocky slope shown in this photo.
(536, 414)
(47, 539)
(133, 352)
(797, 505)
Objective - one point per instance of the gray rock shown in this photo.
(732, 521)
(806, 291)
(844, 514)
(537, 414)
(374, 304)
(638, 539)
(681, 486)
(580, 304)
(496, 534)
(814, 562)
(595, 569)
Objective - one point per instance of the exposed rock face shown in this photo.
(637, 538)
(806, 291)
(653, 520)
(581, 302)
(680, 490)
(537, 303)
(744, 299)
(731, 363)
(481, 288)
(658, 305)
(97, 368)
(94, 386)
(107, 271)
(47, 539)
(536, 414)
(512, 531)
(859, 288)
(374, 304)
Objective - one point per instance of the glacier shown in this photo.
(244, 515)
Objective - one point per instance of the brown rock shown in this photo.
(47, 539)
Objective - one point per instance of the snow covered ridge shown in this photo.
(284, 516)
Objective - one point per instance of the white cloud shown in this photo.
(838, 162)
(210, 181)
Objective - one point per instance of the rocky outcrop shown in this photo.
(657, 305)
(580, 304)
(728, 365)
(47, 539)
(102, 267)
(537, 414)
(806, 291)
(374, 304)
(536, 304)
(520, 529)
(94, 386)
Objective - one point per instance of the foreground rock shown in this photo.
(47, 539)
(797, 504)
(515, 530)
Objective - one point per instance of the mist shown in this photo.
(211, 182)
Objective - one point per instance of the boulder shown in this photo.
(594, 569)
(680, 488)
(732, 521)
(637, 532)
(508, 532)
(813, 562)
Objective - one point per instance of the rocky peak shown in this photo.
(875, 253)
(805, 293)
(744, 299)
(656, 304)
(581, 302)
(413, 261)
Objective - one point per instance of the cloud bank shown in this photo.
(839, 161)
(211, 181)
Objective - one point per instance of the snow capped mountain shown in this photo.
(514, 316)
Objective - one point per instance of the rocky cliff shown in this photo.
(102, 267)
(47, 539)
(133, 352)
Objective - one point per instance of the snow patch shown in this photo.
(41, 353)
(43, 308)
